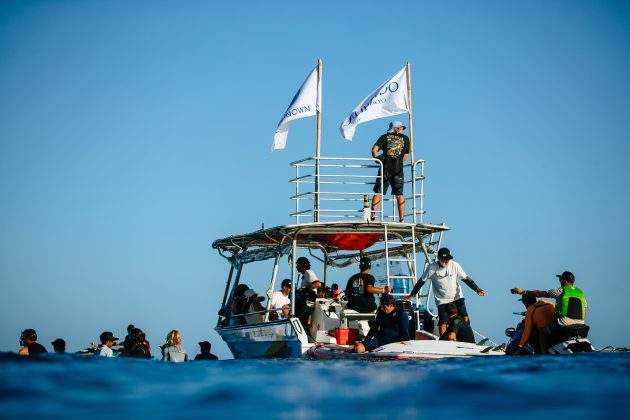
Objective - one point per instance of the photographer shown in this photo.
(253, 305)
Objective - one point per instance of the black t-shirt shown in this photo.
(462, 330)
(358, 297)
(394, 147)
(35, 349)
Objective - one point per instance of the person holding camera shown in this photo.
(254, 307)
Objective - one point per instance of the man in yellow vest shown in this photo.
(570, 302)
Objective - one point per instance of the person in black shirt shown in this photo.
(360, 289)
(395, 147)
(205, 354)
(30, 346)
(457, 329)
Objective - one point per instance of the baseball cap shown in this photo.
(59, 342)
(445, 254)
(395, 124)
(365, 262)
(107, 336)
(286, 282)
(566, 276)
(250, 293)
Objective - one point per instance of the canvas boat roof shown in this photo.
(331, 236)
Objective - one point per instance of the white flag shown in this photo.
(305, 103)
(390, 98)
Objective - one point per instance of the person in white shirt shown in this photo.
(308, 290)
(281, 300)
(444, 275)
(309, 278)
(107, 339)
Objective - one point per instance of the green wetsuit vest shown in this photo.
(572, 303)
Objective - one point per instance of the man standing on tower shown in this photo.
(395, 147)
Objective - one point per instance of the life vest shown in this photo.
(572, 303)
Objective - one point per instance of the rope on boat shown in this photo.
(484, 337)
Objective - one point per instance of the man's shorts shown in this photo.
(461, 311)
(397, 182)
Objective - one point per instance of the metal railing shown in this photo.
(341, 189)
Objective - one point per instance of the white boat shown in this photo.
(333, 227)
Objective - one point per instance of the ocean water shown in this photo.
(583, 386)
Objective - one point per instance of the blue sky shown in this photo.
(133, 134)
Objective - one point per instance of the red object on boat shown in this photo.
(345, 335)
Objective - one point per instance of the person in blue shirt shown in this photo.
(390, 326)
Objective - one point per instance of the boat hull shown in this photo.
(278, 339)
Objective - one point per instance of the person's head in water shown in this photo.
(137, 336)
(107, 339)
(28, 336)
(205, 347)
(451, 309)
(59, 345)
(173, 338)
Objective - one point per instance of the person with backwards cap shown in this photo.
(360, 289)
(570, 304)
(444, 275)
(395, 147)
(59, 345)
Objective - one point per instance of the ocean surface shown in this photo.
(583, 386)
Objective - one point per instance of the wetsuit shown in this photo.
(387, 328)
(461, 328)
(35, 349)
(140, 351)
(540, 314)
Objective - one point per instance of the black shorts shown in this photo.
(461, 310)
(397, 182)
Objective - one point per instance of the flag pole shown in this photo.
(410, 114)
(317, 147)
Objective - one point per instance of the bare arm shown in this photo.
(375, 150)
(315, 285)
(372, 289)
